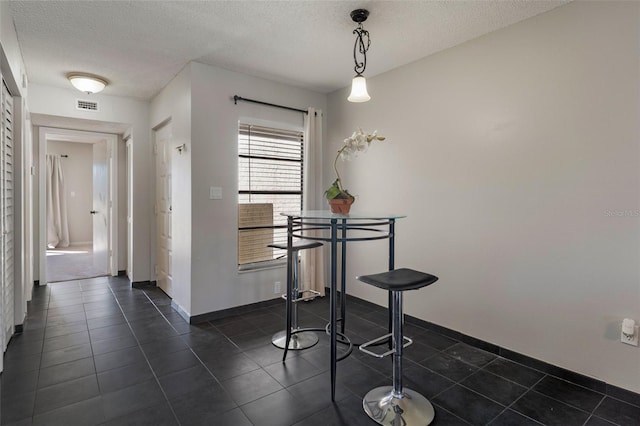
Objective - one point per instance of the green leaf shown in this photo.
(333, 191)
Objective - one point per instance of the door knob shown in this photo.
(93, 212)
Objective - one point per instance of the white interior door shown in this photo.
(129, 210)
(6, 218)
(100, 210)
(163, 209)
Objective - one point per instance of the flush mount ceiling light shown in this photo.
(87, 83)
(360, 48)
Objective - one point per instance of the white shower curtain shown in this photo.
(57, 225)
(312, 261)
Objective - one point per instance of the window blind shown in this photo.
(270, 177)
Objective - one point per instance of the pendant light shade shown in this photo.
(87, 83)
(360, 48)
(359, 90)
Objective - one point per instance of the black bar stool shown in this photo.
(395, 405)
(300, 339)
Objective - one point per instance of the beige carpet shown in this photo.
(71, 263)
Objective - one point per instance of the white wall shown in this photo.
(135, 113)
(173, 105)
(512, 155)
(78, 178)
(216, 282)
(211, 155)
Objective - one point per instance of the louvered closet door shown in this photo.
(6, 220)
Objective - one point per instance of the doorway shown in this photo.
(77, 219)
(129, 180)
(164, 208)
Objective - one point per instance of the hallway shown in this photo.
(98, 352)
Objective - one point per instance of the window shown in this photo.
(269, 182)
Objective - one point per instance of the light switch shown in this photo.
(215, 193)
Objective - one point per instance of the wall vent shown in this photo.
(84, 105)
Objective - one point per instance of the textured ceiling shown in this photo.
(139, 46)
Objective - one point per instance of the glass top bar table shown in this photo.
(322, 225)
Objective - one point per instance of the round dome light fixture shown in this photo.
(87, 83)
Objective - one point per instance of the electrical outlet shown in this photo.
(632, 340)
(276, 287)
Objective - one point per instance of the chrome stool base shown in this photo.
(384, 407)
(301, 340)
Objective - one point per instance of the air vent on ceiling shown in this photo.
(87, 105)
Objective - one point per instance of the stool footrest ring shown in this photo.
(380, 339)
(313, 295)
(342, 339)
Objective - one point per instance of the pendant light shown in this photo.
(361, 46)
(87, 83)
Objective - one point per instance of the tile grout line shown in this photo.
(66, 362)
(508, 407)
(44, 331)
(155, 376)
(239, 406)
(531, 388)
(592, 414)
(194, 354)
(284, 387)
(93, 355)
(116, 290)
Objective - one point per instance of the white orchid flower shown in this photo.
(358, 142)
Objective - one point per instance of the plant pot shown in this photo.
(340, 205)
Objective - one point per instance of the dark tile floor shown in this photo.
(97, 352)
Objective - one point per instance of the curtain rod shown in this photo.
(237, 98)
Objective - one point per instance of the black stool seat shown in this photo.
(399, 279)
(298, 245)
